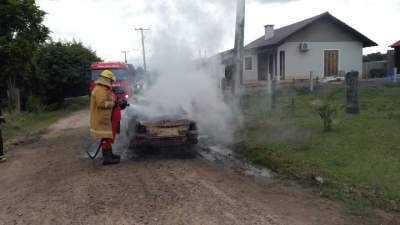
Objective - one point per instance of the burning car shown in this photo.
(176, 132)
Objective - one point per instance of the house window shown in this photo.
(248, 63)
(282, 64)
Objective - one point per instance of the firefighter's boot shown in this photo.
(108, 158)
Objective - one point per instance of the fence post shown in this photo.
(395, 75)
(269, 84)
(273, 94)
(311, 82)
(352, 106)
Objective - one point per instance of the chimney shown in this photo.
(269, 31)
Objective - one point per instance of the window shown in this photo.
(248, 63)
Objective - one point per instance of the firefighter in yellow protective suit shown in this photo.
(102, 104)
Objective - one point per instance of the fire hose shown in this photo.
(92, 157)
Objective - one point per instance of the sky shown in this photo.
(108, 26)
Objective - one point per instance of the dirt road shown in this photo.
(50, 182)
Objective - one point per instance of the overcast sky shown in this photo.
(108, 26)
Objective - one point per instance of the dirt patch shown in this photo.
(49, 182)
(78, 119)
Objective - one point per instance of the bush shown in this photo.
(64, 68)
(326, 107)
(302, 90)
(34, 104)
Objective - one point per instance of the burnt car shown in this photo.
(172, 133)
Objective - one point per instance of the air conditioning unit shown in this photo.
(304, 47)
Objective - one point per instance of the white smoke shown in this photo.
(186, 81)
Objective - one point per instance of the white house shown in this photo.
(322, 45)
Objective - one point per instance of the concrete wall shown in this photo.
(375, 65)
(299, 64)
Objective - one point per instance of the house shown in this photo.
(323, 45)
(396, 55)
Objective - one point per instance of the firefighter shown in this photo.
(105, 115)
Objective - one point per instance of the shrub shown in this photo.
(326, 107)
(34, 104)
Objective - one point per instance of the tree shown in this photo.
(374, 57)
(64, 68)
(21, 32)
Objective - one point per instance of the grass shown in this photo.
(29, 126)
(359, 159)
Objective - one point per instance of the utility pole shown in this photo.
(239, 45)
(124, 52)
(143, 49)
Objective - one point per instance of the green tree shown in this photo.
(21, 32)
(64, 68)
(374, 57)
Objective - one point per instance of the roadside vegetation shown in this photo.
(358, 161)
(36, 71)
(40, 78)
(28, 126)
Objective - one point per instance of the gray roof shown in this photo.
(395, 45)
(281, 34)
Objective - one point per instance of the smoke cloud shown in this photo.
(187, 80)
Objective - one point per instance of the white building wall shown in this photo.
(249, 75)
(299, 64)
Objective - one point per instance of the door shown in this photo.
(331, 62)
(262, 66)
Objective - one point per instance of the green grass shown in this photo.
(359, 160)
(28, 126)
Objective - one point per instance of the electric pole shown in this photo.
(124, 52)
(239, 45)
(143, 49)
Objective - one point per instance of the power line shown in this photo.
(143, 48)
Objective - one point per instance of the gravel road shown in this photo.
(50, 182)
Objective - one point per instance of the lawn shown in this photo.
(29, 126)
(359, 160)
